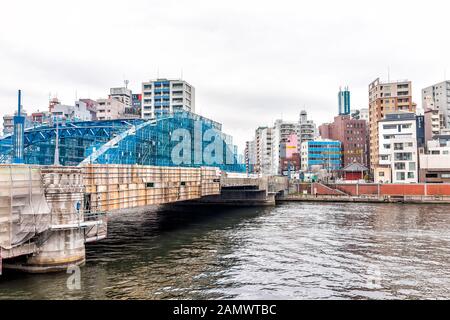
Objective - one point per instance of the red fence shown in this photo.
(417, 189)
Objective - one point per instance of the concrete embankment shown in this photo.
(366, 199)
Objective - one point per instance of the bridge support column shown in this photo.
(62, 249)
(62, 245)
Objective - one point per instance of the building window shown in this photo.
(410, 175)
(398, 146)
(400, 166)
(381, 174)
(400, 176)
(403, 156)
(412, 166)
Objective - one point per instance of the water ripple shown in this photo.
(292, 251)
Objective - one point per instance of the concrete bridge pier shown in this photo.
(63, 243)
(62, 249)
(64, 191)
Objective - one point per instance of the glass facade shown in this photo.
(326, 154)
(344, 102)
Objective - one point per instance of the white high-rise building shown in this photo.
(397, 149)
(164, 96)
(437, 97)
(281, 132)
(264, 150)
(306, 130)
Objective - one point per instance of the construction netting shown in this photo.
(24, 211)
(141, 142)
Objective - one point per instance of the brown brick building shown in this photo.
(353, 134)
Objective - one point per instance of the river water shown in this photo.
(292, 251)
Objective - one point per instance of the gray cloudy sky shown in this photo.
(250, 61)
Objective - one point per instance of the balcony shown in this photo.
(162, 104)
(163, 92)
(164, 97)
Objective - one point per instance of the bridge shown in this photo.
(75, 174)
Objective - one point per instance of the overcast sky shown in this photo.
(251, 62)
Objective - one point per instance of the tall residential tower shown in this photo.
(385, 98)
(344, 101)
(437, 97)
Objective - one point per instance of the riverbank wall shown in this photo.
(369, 192)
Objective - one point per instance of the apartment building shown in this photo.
(289, 155)
(322, 153)
(122, 94)
(386, 98)
(39, 118)
(364, 114)
(282, 130)
(352, 134)
(397, 149)
(78, 112)
(8, 124)
(433, 123)
(437, 97)
(91, 106)
(110, 109)
(164, 96)
(264, 149)
(250, 156)
(307, 129)
(435, 164)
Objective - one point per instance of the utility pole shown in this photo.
(19, 127)
(56, 160)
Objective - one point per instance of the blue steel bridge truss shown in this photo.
(135, 141)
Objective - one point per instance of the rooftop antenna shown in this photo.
(389, 74)
(126, 83)
(181, 74)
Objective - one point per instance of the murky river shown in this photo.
(292, 251)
